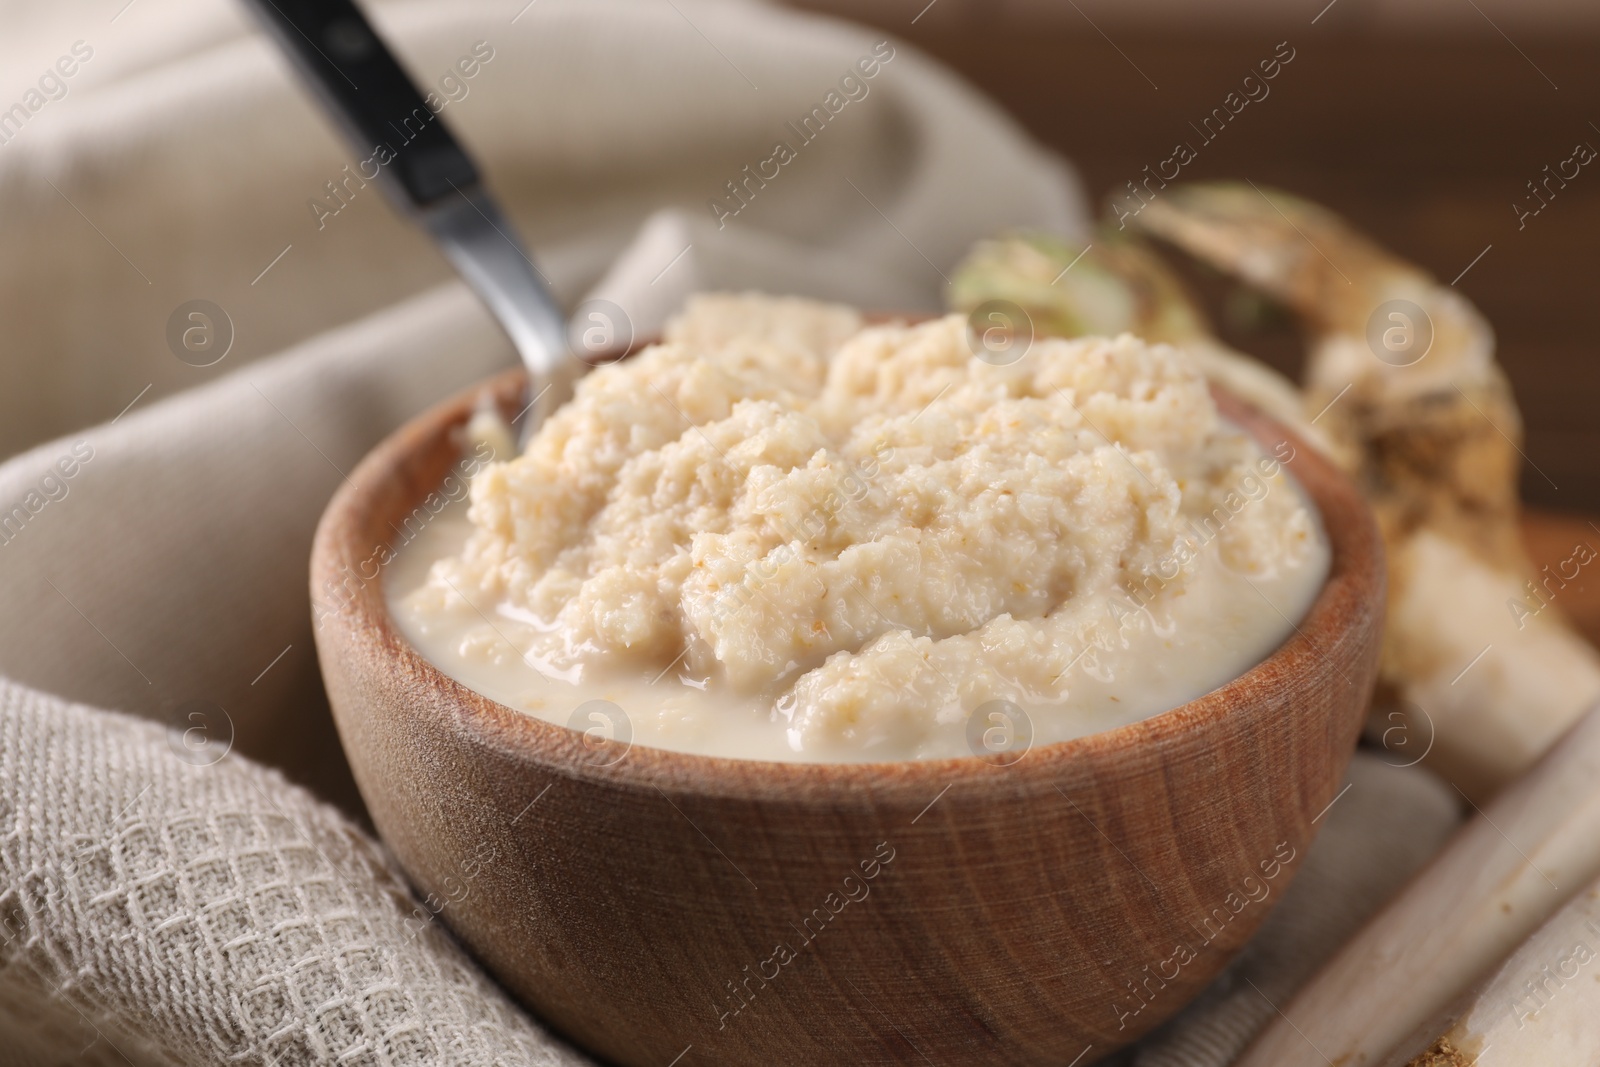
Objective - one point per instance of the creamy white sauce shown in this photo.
(1224, 624)
(779, 537)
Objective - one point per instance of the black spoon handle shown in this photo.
(365, 88)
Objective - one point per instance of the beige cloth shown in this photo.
(161, 912)
(155, 905)
(168, 174)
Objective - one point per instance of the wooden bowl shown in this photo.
(671, 908)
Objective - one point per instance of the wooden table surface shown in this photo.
(1551, 537)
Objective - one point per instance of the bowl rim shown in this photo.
(1353, 588)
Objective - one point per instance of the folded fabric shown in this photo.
(184, 159)
(160, 909)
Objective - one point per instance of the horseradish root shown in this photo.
(1540, 1006)
(1496, 882)
(1402, 377)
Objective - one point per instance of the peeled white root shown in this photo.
(1497, 881)
(1541, 1006)
(1499, 688)
(1431, 440)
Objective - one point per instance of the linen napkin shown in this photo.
(164, 896)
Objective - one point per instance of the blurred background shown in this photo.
(1423, 122)
(1420, 121)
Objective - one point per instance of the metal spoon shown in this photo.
(429, 178)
